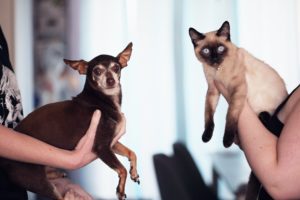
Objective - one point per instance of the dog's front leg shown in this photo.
(211, 101)
(106, 154)
(122, 150)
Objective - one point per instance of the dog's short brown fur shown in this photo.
(62, 124)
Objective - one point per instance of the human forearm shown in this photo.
(21, 147)
(260, 148)
(24, 148)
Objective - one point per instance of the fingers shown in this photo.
(73, 195)
(91, 132)
(70, 195)
(75, 192)
(94, 122)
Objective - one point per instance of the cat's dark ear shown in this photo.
(224, 30)
(195, 36)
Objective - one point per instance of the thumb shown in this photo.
(91, 132)
(94, 123)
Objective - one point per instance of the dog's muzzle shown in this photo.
(110, 82)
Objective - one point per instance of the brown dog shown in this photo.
(62, 124)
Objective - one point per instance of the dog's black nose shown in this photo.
(110, 81)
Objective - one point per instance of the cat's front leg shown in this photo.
(211, 101)
(238, 95)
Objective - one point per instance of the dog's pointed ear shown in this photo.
(124, 56)
(79, 65)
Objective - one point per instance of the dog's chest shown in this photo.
(110, 129)
(119, 130)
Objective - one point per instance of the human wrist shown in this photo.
(71, 160)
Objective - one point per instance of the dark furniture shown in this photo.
(179, 178)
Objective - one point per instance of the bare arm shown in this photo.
(24, 148)
(274, 160)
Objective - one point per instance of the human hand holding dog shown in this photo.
(69, 190)
(82, 153)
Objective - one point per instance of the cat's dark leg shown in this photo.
(122, 150)
(109, 158)
(211, 101)
(236, 103)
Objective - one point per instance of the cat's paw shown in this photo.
(208, 132)
(230, 133)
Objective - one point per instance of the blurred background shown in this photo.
(163, 86)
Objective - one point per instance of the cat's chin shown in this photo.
(215, 65)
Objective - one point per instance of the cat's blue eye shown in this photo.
(205, 51)
(221, 49)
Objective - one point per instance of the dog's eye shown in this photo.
(205, 51)
(221, 49)
(97, 71)
(116, 68)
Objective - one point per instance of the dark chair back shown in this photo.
(170, 185)
(190, 175)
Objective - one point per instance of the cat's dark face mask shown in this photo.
(211, 50)
(213, 54)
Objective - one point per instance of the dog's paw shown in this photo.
(134, 175)
(136, 179)
(208, 132)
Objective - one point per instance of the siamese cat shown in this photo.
(244, 76)
(248, 78)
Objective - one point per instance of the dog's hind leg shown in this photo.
(109, 158)
(122, 150)
(53, 173)
(33, 178)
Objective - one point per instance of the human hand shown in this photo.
(83, 151)
(76, 193)
(69, 190)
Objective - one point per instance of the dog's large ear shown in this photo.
(124, 56)
(79, 65)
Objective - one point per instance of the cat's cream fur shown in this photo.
(246, 77)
